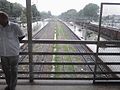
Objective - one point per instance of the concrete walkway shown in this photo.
(63, 85)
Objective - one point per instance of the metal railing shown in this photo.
(101, 44)
(94, 73)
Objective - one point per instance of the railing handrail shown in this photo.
(112, 43)
(51, 41)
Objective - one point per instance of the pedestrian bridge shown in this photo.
(49, 83)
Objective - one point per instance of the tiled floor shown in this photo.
(59, 87)
(65, 86)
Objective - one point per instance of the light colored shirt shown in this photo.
(9, 42)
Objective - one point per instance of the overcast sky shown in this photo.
(59, 6)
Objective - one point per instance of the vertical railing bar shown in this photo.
(98, 39)
(29, 30)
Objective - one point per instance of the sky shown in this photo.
(58, 6)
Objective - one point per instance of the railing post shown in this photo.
(29, 30)
(98, 44)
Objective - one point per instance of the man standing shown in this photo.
(10, 35)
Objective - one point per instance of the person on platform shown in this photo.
(10, 37)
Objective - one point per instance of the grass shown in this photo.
(63, 47)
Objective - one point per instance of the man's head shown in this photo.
(3, 18)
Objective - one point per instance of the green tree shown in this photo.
(5, 6)
(45, 15)
(80, 16)
(35, 12)
(23, 16)
(49, 13)
(70, 15)
(13, 9)
(81, 13)
(17, 10)
(91, 11)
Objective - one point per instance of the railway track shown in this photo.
(90, 58)
(45, 33)
(48, 33)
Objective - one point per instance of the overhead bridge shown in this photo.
(96, 71)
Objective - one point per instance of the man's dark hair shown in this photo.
(3, 15)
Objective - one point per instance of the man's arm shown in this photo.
(19, 33)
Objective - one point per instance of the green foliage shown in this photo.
(91, 11)
(45, 15)
(42, 15)
(13, 9)
(23, 17)
(81, 13)
(5, 6)
(35, 12)
(70, 15)
(17, 10)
